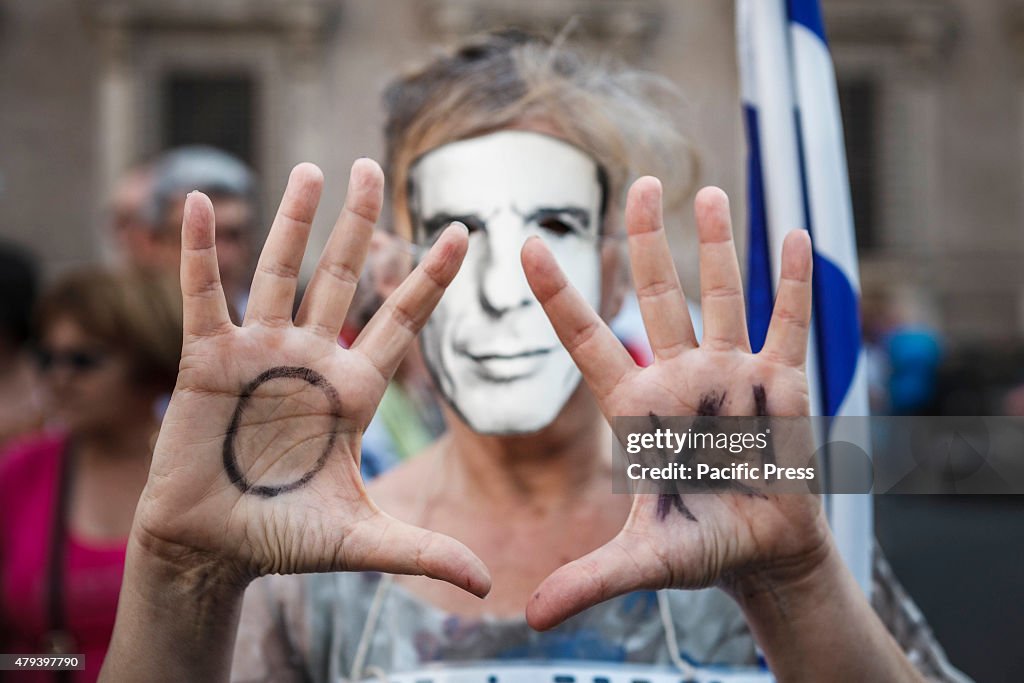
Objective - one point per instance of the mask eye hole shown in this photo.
(472, 223)
(433, 227)
(555, 225)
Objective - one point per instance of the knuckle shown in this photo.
(362, 208)
(278, 269)
(321, 329)
(657, 288)
(582, 336)
(544, 295)
(271, 320)
(717, 342)
(792, 319)
(434, 270)
(341, 272)
(771, 356)
(403, 317)
(294, 219)
(205, 288)
(719, 292)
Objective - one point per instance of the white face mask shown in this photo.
(488, 344)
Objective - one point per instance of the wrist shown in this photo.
(180, 609)
(793, 578)
(813, 622)
(188, 576)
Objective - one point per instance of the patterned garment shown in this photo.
(310, 628)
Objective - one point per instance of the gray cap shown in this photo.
(197, 167)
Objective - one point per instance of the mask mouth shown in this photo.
(481, 357)
(505, 365)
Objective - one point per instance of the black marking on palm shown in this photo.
(230, 456)
(710, 406)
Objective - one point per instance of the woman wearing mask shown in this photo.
(108, 350)
(528, 149)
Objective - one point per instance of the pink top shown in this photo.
(92, 575)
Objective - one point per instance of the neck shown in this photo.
(130, 440)
(558, 463)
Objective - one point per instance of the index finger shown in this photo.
(386, 338)
(204, 307)
(598, 354)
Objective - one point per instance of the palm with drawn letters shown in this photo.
(256, 469)
(730, 539)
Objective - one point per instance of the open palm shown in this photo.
(697, 540)
(256, 469)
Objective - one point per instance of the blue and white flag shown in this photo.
(798, 179)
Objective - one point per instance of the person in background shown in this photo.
(127, 215)
(20, 411)
(409, 416)
(904, 355)
(231, 186)
(108, 345)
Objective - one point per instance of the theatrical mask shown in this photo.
(492, 352)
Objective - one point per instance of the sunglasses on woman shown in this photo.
(75, 360)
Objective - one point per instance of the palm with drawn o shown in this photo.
(725, 538)
(256, 469)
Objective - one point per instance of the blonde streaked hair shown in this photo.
(627, 120)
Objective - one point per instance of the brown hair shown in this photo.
(136, 312)
(626, 120)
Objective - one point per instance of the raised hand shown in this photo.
(699, 540)
(256, 469)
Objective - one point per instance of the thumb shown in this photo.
(383, 543)
(626, 563)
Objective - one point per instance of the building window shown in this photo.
(858, 99)
(218, 110)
